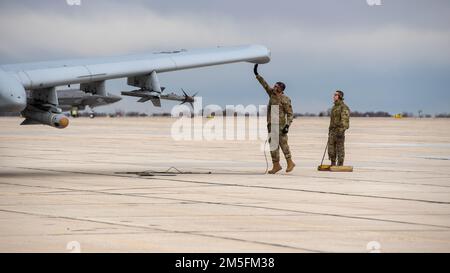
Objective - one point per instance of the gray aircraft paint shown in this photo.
(75, 98)
(43, 77)
(58, 73)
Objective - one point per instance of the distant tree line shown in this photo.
(443, 115)
(352, 114)
(120, 113)
(379, 114)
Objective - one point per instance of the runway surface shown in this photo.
(67, 190)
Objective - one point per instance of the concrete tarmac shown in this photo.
(67, 190)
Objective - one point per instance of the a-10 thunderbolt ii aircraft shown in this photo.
(42, 78)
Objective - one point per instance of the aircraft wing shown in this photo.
(140, 70)
(58, 73)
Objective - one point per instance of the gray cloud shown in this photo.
(317, 45)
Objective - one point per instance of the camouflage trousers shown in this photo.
(275, 147)
(336, 149)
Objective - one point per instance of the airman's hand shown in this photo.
(255, 70)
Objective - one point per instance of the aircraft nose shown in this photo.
(13, 97)
(10, 102)
(19, 100)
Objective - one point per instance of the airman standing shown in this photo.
(279, 104)
(339, 123)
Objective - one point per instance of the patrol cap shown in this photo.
(341, 94)
(282, 85)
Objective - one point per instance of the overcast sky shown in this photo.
(393, 57)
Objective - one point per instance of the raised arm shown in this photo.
(262, 81)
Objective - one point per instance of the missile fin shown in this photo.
(144, 99)
(156, 102)
(29, 122)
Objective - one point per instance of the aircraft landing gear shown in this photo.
(74, 112)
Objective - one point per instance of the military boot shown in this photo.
(276, 168)
(333, 162)
(340, 162)
(290, 165)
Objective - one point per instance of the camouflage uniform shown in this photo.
(339, 122)
(286, 116)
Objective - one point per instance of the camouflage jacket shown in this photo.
(340, 117)
(286, 115)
